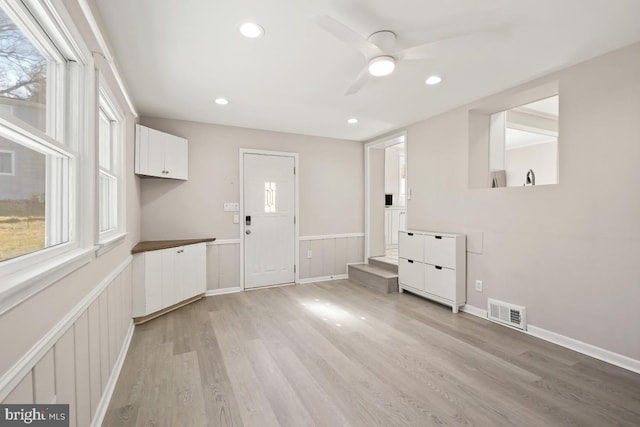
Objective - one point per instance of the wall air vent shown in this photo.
(507, 314)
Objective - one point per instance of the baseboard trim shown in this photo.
(29, 360)
(585, 348)
(323, 279)
(590, 350)
(103, 405)
(331, 236)
(474, 311)
(223, 291)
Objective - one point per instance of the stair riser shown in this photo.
(372, 281)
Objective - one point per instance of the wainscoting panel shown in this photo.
(79, 360)
(330, 255)
(223, 264)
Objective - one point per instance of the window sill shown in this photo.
(109, 243)
(23, 284)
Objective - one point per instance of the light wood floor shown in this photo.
(337, 354)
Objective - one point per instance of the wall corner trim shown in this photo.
(590, 350)
(28, 361)
(103, 405)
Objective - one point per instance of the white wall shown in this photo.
(568, 252)
(331, 177)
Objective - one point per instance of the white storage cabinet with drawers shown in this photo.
(433, 265)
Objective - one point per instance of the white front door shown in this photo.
(269, 219)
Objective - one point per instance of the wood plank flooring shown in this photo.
(339, 354)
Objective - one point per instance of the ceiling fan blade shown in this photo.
(359, 82)
(348, 36)
(440, 47)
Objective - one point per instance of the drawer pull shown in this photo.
(409, 234)
(410, 261)
(438, 237)
(438, 267)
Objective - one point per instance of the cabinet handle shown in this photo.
(438, 267)
(410, 261)
(409, 234)
(438, 237)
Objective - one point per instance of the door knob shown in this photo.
(248, 232)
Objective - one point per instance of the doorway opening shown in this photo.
(386, 195)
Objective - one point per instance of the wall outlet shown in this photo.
(309, 253)
(231, 207)
(236, 219)
(479, 285)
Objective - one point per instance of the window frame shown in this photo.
(107, 105)
(12, 153)
(70, 104)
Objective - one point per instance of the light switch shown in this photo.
(236, 219)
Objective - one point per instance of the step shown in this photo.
(374, 277)
(386, 263)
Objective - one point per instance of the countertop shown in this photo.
(155, 245)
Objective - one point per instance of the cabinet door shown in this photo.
(411, 273)
(440, 281)
(440, 250)
(191, 271)
(395, 226)
(152, 282)
(411, 246)
(169, 276)
(176, 157)
(155, 153)
(387, 227)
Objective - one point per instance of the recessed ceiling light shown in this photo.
(352, 121)
(221, 101)
(433, 80)
(382, 66)
(251, 30)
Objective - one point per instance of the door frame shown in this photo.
(387, 141)
(296, 195)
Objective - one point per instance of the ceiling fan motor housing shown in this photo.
(385, 40)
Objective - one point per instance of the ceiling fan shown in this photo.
(379, 49)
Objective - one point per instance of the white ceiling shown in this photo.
(178, 56)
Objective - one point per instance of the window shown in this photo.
(23, 75)
(110, 166)
(7, 163)
(110, 209)
(45, 219)
(270, 197)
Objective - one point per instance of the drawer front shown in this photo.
(411, 246)
(440, 281)
(441, 251)
(411, 273)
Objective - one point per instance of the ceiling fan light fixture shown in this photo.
(381, 66)
(433, 80)
(251, 30)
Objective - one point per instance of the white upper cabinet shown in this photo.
(160, 154)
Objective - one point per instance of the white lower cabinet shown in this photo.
(433, 265)
(165, 277)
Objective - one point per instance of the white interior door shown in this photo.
(269, 219)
